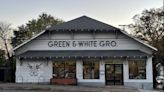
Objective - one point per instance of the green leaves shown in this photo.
(149, 26)
(33, 27)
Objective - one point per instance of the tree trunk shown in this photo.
(7, 51)
(10, 62)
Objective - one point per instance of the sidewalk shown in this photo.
(141, 90)
(65, 88)
(68, 88)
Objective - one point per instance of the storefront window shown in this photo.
(137, 69)
(90, 69)
(64, 69)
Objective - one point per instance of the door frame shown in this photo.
(122, 83)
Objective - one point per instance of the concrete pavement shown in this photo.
(14, 87)
(141, 90)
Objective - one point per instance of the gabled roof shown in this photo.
(140, 41)
(83, 23)
(29, 40)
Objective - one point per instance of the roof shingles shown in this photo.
(83, 23)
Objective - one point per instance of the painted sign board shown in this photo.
(81, 43)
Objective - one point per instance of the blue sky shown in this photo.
(114, 12)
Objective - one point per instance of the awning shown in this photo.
(85, 53)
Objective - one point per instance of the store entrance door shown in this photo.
(114, 74)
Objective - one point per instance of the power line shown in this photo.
(123, 26)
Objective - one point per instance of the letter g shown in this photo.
(50, 43)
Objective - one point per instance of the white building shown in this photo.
(92, 52)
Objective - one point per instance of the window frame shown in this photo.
(136, 61)
(65, 68)
(92, 61)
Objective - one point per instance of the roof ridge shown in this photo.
(101, 25)
(83, 22)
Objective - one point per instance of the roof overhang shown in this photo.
(151, 47)
(84, 53)
(67, 26)
(17, 47)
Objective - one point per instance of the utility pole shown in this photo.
(123, 26)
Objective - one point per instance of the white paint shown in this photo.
(44, 73)
(79, 73)
(83, 36)
(125, 70)
(79, 70)
(124, 43)
(149, 75)
(24, 75)
(102, 70)
(149, 72)
(89, 44)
